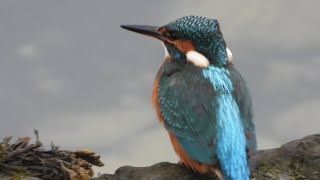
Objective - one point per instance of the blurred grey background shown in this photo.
(67, 69)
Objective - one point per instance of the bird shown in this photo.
(201, 99)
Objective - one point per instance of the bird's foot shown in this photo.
(181, 163)
(218, 173)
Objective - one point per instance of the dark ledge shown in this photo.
(295, 160)
(298, 159)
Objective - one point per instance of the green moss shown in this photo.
(17, 177)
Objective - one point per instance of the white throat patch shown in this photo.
(197, 59)
(166, 53)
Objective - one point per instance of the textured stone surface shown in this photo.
(298, 159)
(159, 171)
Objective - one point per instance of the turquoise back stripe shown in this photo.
(231, 142)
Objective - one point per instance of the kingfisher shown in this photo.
(201, 99)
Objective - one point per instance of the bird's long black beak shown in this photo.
(152, 31)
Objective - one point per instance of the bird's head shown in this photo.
(191, 38)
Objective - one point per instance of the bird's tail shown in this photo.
(231, 145)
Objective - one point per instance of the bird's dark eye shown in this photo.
(172, 35)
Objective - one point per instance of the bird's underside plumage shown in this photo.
(187, 105)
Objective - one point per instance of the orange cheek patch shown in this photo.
(183, 45)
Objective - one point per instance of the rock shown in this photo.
(159, 171)
(298, 159)
(269, 175)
